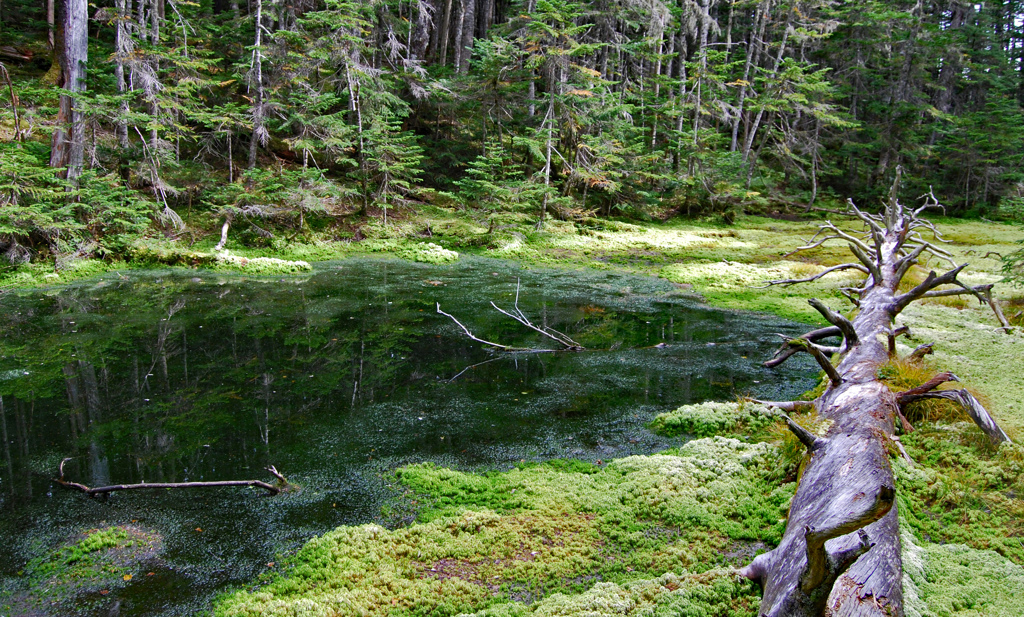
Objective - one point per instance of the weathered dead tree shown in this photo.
(272, 489)
(840, 554)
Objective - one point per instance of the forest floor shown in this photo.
(643, 535)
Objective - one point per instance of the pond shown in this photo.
(335, 378)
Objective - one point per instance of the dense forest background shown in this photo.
(289, 115)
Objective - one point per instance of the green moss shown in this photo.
(961, 491)
(64, 578)
(550, 532)
(946, 580)
(711, 418)
(260, 265)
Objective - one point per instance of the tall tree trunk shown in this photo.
(51, 24)
(466, 44)
(68, 143)
(259, 131)
(122, 45)
(442, 35)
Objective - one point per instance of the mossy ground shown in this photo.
(653, 535)
(626, 537)
(84, 570)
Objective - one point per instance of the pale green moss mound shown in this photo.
(424, 253)
(713, 418)
(430, 253)
(955, 580)
(720, 592)
(262, 265)
(538, 538)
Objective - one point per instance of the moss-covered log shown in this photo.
(840, 554)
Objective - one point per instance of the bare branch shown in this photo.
(920, 352)
(788, 282)
(871, 220)
(971, 405)
(102, 490)
(819, 356)
(927, 386)
(893, 335)
(554, 335)
(902, 301)
(834, 318)
(904, 264)
(806, 437)
(786, 351)
(867, 261)
(471, 335)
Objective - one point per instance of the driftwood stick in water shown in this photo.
(102, 490)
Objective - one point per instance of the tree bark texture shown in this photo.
(68, 143)
(840, 554)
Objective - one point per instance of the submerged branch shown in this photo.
(272, 489)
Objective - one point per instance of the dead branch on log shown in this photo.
(927, 386)
(971, 405)
(272, 489)
(920, 352)
(840, 267)
(837, 320)
(893, 335)
(818, 354)
(806, 437)
(786, 351)
(517, 314)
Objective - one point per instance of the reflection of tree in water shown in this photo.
(167, 379)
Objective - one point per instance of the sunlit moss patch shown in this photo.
(548, 537)
(713, 418)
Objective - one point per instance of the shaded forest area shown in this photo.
(284, 119)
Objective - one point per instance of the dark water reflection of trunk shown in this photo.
(336, 378)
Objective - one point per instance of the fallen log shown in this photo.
(272, 489)
(840, 554)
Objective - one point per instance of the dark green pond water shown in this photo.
(335, 378)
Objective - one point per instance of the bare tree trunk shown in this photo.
(442, 35)
(550, 119)
(51, 23)
(259, 131)
(122, 47)
(466, 44)
(840, 553)
(68, 143)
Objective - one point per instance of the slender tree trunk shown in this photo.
(460, 25)
(51, 24)
(122, 49)
(259, 132)
(442, 36)
(68, 143)
(466, 44)
(550, 118)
